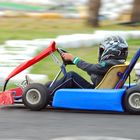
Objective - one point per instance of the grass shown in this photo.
(32, 28)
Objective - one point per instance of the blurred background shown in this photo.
(28, 26)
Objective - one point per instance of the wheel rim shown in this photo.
(134, 100)
(33, 96)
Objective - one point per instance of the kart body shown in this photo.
(115, 99)
(90, 99)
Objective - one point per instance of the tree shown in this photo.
(93, 9)
(135, 16)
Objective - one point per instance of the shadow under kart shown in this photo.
(112, 94)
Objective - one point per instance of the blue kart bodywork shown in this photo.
(96, 99)
(89, 99)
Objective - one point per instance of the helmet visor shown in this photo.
(101, 50)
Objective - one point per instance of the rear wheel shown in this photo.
(35, 96)
(132, 100)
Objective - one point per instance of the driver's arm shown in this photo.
(89, 68)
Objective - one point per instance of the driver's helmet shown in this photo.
(113, 47)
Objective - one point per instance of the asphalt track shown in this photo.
(19, 123)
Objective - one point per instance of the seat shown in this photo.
(112, 77)
(128, 70)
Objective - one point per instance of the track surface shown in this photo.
(19, 123)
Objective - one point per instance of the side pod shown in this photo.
(89, 99)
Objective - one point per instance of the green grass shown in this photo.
(134, 42)
(32, 28)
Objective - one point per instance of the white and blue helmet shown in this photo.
(113, 47)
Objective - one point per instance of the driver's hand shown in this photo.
(67, 56)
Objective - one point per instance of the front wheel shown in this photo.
(35, 96)
(131, 100)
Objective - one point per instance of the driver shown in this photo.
(112, 51)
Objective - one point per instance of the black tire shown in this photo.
(131, 100)
(35, 96)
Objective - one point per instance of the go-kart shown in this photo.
(112, 94)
